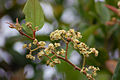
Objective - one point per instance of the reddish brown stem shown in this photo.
(66, 50)
(22, 33)
(49, 58)
(113, 9)
(34, 34)
(66, 60)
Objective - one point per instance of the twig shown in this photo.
(34, 34)
(83, 61)
(113, 9)
(49, 57)
(66, 60)
(22, 33)
(66, 50)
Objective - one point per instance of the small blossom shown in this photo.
(35, 41)
(76, 41)
(41, 43)
(58, 52)
(72, 31)
(30, 45)
(68, 35)
(41, 53)
(28, 56)
(63, 31)
(62, 52)
(29, 24)
(57, 61)
(119, 4)
(51, 46)
(33, 58)
(47, 51)
(57, 44)
(78, 34)
(47, 62)
(36, 28)
(51, 64)
(24, 46)
(93, 50)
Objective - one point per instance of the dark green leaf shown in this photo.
(103, 12)
(88, 32)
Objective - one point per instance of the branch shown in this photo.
(66, 60)
(83, 61)
(34, 34)
(22, 33)
(66, 50)
(49, 57)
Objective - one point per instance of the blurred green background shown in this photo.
(86, 16)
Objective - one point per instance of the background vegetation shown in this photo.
(87, 16)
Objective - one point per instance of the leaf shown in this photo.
(103, 75)
(103, 12)
(69, 73)
(116, 75)
(111, 64)
(88, 32)
(34, 14)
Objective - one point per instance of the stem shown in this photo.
(83, 61)
(22, 33)
(63, 39)
(113, 9)
(66, 60)
(66, 50)
(34, 34)
(49, 57)
(35, 49)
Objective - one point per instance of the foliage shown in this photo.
(98, 22)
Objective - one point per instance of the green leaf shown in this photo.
(69, 73)
(88, 32)
(103, 75)
(116, 75)
(34, 14)
(103, 12)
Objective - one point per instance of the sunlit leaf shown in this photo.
(34, 14)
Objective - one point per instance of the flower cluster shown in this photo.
(74, 38)
(44, 51)
(54, 54)
(91, 71)
(61, 34)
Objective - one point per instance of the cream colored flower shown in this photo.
(35, 41)
(51, 46)
(57, 61)
(24, 46)
(41, 43)
(47, 51)
(51, 64)
(57, 44)
(41, 53)
(62, 52)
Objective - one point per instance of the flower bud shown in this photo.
(35, 41)
(24, 46)
(30, 45)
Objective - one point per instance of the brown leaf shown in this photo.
(111, 65)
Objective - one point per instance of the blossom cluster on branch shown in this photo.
(54, 52)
